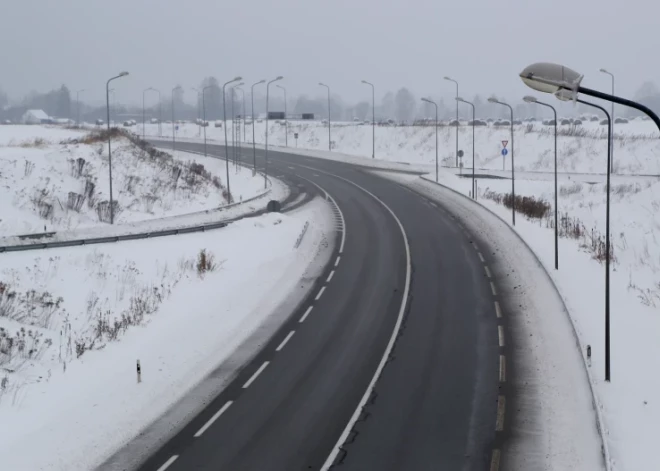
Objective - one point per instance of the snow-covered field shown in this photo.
(48, 183)
(74, 321)
(580, 148)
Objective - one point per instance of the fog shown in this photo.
(483, 44)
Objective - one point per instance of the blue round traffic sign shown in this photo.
(504, 151)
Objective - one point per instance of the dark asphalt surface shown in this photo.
(434, 406)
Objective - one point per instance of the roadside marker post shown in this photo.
(139, 372)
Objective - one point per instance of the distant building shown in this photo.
(35, 117)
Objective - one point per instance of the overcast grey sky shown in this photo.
(484, 44)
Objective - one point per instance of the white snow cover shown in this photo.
(39, 178)
(65, 406)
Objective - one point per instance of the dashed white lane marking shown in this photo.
(498, 310)
(332, 273)
(292, 168)
(168, 463)
(481, 257)
(433, 204)
(213, 419)
(337, 261)
(501, 405)
(254, 376)
(492, 288)
(500, 335)
(318, 296)
(475, 247)
(304, 316)
(495, 460)
(502, 369)
(487, 271)
(286, 339)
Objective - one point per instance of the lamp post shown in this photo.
(373, 119)
(286, 121)
(531, 99)
(233, 120)
(243, 94)
(78, 106)
(114, 100)
(199, 127)
(178, 87)
(224, 115)
(612, 118)
(329, 126)
(143, 112)
(204, 114)
(160, 113)
(107, 99)
(254, 145)
(474, 189)
(266, 159)
(513, 174)
(457, 100)
(436, 135)
(238, 121)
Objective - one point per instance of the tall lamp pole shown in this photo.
(531, 99)
(474, 189)
(107, 99)
(160, 113)
(329, 125)
(254, 145)
(457, 100)
(178, 87)
(513, 174)
(233, 120)
(224, 115)
(204, 114)
(373, 119)
(238, 121)
(144, 120)
(611, 143)
(266, 159)
(199, 127)
(78, 106)
(286, 121)
(436, 134)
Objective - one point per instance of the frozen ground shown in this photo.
(74, 321)
(58, 185)
(580, 148)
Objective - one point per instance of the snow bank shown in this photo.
(17, 135)
(81, 317)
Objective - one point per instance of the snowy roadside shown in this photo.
(69, 385)
(550, 417)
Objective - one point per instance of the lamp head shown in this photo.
(529, 99)
(547, 77)
(123, 74)
(492, 100)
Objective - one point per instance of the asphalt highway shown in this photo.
(401, 321)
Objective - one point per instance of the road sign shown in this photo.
(504, 143)
(295, 135)
(504, 151)
(460, 153)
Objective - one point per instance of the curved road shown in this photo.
(407, 279)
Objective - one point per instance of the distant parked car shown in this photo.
(478, 122)
(502, 122)
(517, 121)
(454, 122)
(604, 122)
(577, 122)
(154, 121)
(594, 118)
(128, 124)
(620, 121)
(99, 122)
(549, 122)
(218, 124)
(565, 122)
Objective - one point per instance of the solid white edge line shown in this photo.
(254, 376)
(501, 405)
(213, 419)
(286, 339)
(481, 257)
(332, 273)
(335, 451)
(495, 460)
(487, 271)
(500, 335)
(318, 296)
(304, 316)
(498, 310)
(492, 288)
(168, 463)
(502, 369)
(337, 261)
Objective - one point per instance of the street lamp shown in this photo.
(234, 138)
(565, 96)
(204, 114)
(531, 99)
(178, 87)
(286, 122)
(373, 119)
(243, 94)
(143, 111)
(266, 159)
(107, 99)
(436, 135)
(550, 78)
(329, 135)
(513, 174)
(160, 113)
(612, 142)
(78, 106)
(238, 122)
(199, 128)
(474, 189)
(457, 100)
(254, 145)
(224, 115)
